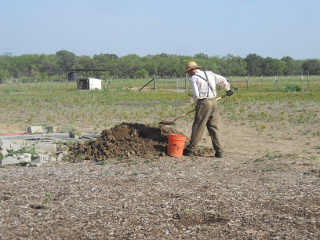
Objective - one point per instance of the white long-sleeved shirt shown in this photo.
(201, 88)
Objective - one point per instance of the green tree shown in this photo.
(86, 62)
(273, 67)
(66, 60)
(311, 66)
(234, 66)
(128, 65)
(4, 74)
(106, 61)
(254, 64)
(292, 67)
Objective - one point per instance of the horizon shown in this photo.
(267, 28)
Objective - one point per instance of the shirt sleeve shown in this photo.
(195, 90)
(222, 82)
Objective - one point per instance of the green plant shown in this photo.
(186, 211)
(30, 150)
(101, 163)
(48, 199)
(293, 88)
(134, 174)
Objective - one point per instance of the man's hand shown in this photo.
(229, 93)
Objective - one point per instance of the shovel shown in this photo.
(163, 122)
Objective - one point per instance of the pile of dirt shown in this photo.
(125, 140)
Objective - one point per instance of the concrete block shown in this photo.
(15, 147)
(48, 147)
(21, 142)
(35, 129)
(4, 152)
(51, 129)
(37, 158)
(25, 157)
(4, 144)
(12, 160)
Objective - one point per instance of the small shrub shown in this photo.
(48, 198)
(293, 88)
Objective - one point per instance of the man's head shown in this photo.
(191, 67)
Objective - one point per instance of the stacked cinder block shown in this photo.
(45, 152)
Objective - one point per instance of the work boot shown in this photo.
(188, 152)
(218, 155)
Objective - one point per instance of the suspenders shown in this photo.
(206, 79)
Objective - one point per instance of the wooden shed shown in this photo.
(86, 83)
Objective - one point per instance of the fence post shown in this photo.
(261, 80)
(247, 80)
(275, 83)
(155, 83)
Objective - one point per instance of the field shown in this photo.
(266, 186)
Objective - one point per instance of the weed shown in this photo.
(101, 163)
(147, 161)
(48, 198)
(186, 211)
(30, 150)
(134, 174)
(293, 88)
(216, 164)
(133, 162)
(104, 173)
(259, 159)
(313, 158)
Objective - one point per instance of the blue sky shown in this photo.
(269, 28)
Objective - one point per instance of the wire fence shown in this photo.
(247, 83)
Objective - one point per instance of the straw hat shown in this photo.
(191, 65)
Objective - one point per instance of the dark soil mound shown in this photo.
(125, 140)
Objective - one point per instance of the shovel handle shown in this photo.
(195, 109)
(183, 115)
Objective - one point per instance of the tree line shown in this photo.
(42, 67)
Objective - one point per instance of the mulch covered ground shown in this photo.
(124, 186)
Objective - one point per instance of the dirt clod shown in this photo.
(125, 140)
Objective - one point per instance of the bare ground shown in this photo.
(266, 187)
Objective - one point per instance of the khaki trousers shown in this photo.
(206, 115)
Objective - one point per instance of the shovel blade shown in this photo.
(163, 122)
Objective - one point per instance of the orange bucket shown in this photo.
(176, 145)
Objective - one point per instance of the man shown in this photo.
(206, 115)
